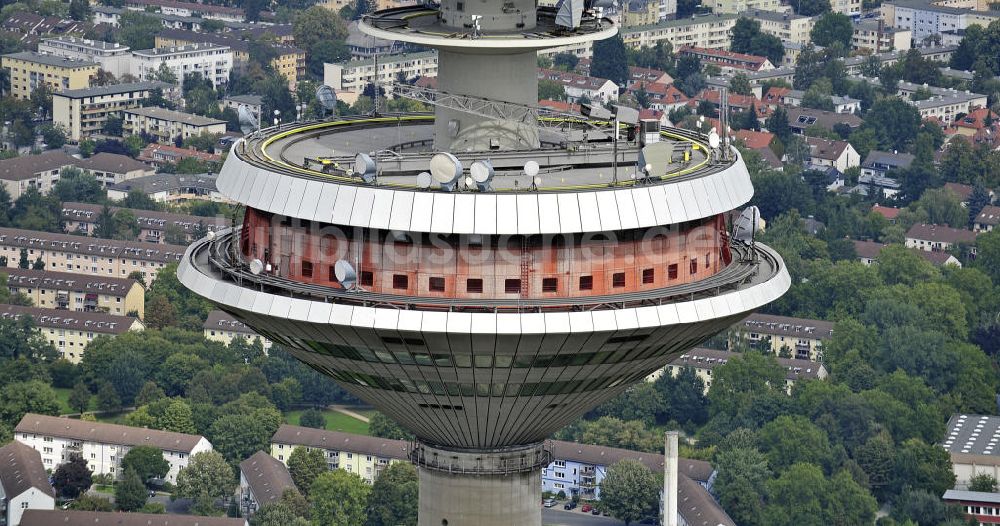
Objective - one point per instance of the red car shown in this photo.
(586, 508)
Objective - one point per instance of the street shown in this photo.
(556, 516)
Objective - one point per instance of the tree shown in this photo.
(147, 462)
(393, 500)
(922, 466)
(165, 74)
(92, 503)
(53, 136)
(130, 492)
(339, 497)
(629, 491)
(113, 126)
(740, 482)
(741, 36)
(610, 60)
(550, 90)
(79, 397)
(895, 123)
(832, 28)
(177, 417)
(277, 514)
(777, 124)
(137, 29)
(789, 439)
(382, 426)
(803, 495)
(108, 398)
(304, 466)
(79, 10)
(160, 312)
(988, 254)
(20, 398)
(149, 393)
(315, 419)
(983, 482)
(39, 264)
(811, 7)
(73, 477)
(316, 25)
(23, 261)
(207, 477)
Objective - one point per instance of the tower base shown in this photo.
(480, 488)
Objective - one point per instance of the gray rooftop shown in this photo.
(86, 42)
(167, 182)
(164, 114)
(973, 435)
(50, 60)
(253, 100)
(113, 89)
(390, 59)
(696, 20)
(771, 16)
(21, 469)
(175, 50)
(971, 496)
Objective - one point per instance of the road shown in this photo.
(556, 516)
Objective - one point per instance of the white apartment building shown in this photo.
(213, 61)
(927, 17)
(707, 31)
(167, 125)
(851, 8)
(742, 6)
(103, 445)
(83, 112)
(112, 57)
(356, 74)
(878, 37)
(703, 361)
(789, 27)
(24, 485)
(71, 332)
(945, 107)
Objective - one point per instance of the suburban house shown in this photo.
(939, 237)
(888, 212)
(40, 172)
(880, 164)
(24, 484)
(838, 154)
(77, 292)
(800, 119)
(103, 445)
(263, 479)
(580, 86)
(803, 337)
(221, 327)
(988, 219)
(170, 188)
(112, 168)
(703, 361)
(868, 252)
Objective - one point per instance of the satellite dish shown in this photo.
(248, 120)
(647, 168)
(327, 98)
(569, 13)
(424, 180)
(446, 169)
(747, 225)
(345, 274)
(536, 180)
(210, 235)
(469, 182)
(531, 168)
(482, 173)
(256, 267)
(364, 167)
(713, 139)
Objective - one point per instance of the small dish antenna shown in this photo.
(424, 180)
(531, 168)
(446, 169)
(746, 226)
(714, 140)
(210, 235)
(345, 274)
(249, 121)
(469, 182)
(256, 267)
(482, 174)
(327, 98)
(364, 167)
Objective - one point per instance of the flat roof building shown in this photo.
(979, 507)
(971, 442)
(111, 56)
(84, 112)
(166, 126)
(288, 61)
(789, 27)
(704, 31)
(27, 71)
(24, 484)
(213, 61)
(77, 292)
(168, 188)
(354, 75)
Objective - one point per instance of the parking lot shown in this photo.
(557, 516)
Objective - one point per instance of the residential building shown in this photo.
(789, 27)
(875, 36)
(792, 52)
(970, 441)
(727, 61)
(24, 484)
(111, 56)
(939, 238)
(838, 154)
(288, 61)
(71, 332)
(113, 168)
(876, 186)
(868, 252)
(851, 8)
(170, 188)
(189, 9)
(640, 13)
(742, 6)
(167, 125)
(855, 64)
(703, 361)
(99, 518)
(888, 212)
(154, 226)
(661, 97)
(803, 337)
(963, 191)
(703, 31)
(364, 46)
(103, 445)
(27, 71)
(254, 103)
(988, 219)
(362, 455)
(979, 507)
(355, 75)
(81, 255)
(799, 119)
(41, 172)
(947, 108)
(263, 479)
(928, 17)
(84, 112)
(160, 155)
(580, 86)
(213, 61)
(754, 140)
(221, 327)
(646, 76)
(841, 104)
(881, 164)
(977, 121)
(759, 78)
(76, 292)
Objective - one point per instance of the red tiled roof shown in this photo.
(559, 105)
(755, 140)
(974, 119)
(723, 54)
(963, 191)
(571, 79)
(887, 212)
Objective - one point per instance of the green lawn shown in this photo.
(334, 422)
(62, 394)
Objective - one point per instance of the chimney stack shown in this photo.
(670, 466)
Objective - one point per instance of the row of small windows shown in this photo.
(513, 285)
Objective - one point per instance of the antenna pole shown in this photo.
(614, 158)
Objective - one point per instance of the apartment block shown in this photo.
(802, 338)
(81, 255)
(27, 71)
(41, 172)
(154, 226)
(263, 479)
(112, 57)
(704, 361)
(928, 17)
(71, 332)
(213, 61)
(946, 108)
(168, 125)
(289, 61)
(728, 61)
(170, 188)
(851, 8)
(76, 292)
(24, 484)
(356, 74)
(221, 327)
(84, 112)
(742, 6)
(789, 27)
(705, 31)
(103, 445)
(363, 455)
(164, 154)
(876, 37)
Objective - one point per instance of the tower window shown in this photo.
(618, 279)
(512, 286)
(307, 269)
(436, 284)
(367, 278)
(474, 285)
(400, 281)
(672, 271)
(550, 285)
(333, 273)
(586, 282)
(648, 275)
(694, 265)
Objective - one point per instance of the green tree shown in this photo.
(147, 462)
(743, 472)
(108, 398)
(79, 10)
(876, 457)
(316, 25)
(315, 419)
(789, 439)
(130, 492)
(177, 417)
(777, 124)
(895, 123)
(305, 465)
(610, 60)
(382, 426)
(983, 482)
(72, 478)
(630, 491)
(811, 7)
(207, 477)
(988, 254)
(832, 28)
(922, 466)
(277, 514)
(92, 503)
(803, 495)
(149, 393)
(339, 497)
(393, 500)
(53, 136)
(551, 90)
(79, 397)
(237, 434)
(20, 398)
(137, 29)
(165, 74)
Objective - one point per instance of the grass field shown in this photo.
(62, 394)
(334, 422)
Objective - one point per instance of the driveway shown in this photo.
(556, 516)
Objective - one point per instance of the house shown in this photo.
(970, 441)
(880, 164)
(77, 292)
(888, 212)
(976, 121)
(840, 104)
(263, 479)
(755, 140)
(803, 337)
(662, 97)
(939, 238)
(103, 445)
(800, 119)
(160, 155)
(649, 76)
(979, 507)
(838, 154)
(988, 219)
(703, 361)
(879, 187)
(71, 332)
(113, 168)
(579, 86)
(41, 172)
(167, 126)
(170, 188)
(727, 61)
(833, 177)
(363, 455)
(255, 103)
(24, 484)
(107, 518)
(868, 252)
(154, 226)
(221, 327)
(963, 191)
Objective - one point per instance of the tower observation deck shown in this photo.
(549, 263)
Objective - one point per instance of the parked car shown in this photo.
(569, 505)
(595, 511)
(586, 508)
(548, 503)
